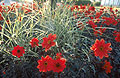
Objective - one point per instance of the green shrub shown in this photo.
(83, 2)
(97, 3)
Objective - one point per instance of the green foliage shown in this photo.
(97, 4)
(83, 2)
(78, 2)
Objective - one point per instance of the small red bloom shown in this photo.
(3, 3)
(72, 8)
(4, 72)
(59, 65)
(98, 14)
(80, 25)
(107, 67)
(100, 48)
(45, 64)
(68, 6)
(107, 21)
(34, 6)
(1, 9)
(117, 37)
(101, 30)
(92, 24)
(118, 20)
(0, 28)
(102, 9)
(17, 5)
(49, 42)
(76, 7)
(1, 18)
(116, 10)
(34, 42)
(91, 17)
(95, 32)
(18, 51)
(20, 18)
(91, 8)
(97, 20)
(115, 33)
(58, 55)
(111, 10)
(8, 22)
(114, 22)
(83, 7)
(27, 11)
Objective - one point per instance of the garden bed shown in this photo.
(69, 41)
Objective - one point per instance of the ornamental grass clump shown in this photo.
(68, 41)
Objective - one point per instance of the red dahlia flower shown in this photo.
(90, 22)
(4, 72)
(58, 55)
(59, 65)
(45, 64)
(83, 7)
(1, 9)
(117, 37)
(107, 67)
(18, 51)
(48, 42)
(76, 7)
(100, 31)
(80, 25)
(1, 18)
(98, 14)
(116, 10)
(34, 42)
(114, 22)
(17, 5)
(96, 32)
(72, 8)
(0, 28)
(27, 11)
(117, 34)
(100, 48)
(107, 21)
(91, 8)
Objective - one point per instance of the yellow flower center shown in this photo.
(57, 57)
(106, 66)
(49, 41)
(108, 21)
(45, 63)
(34, 43)
(101, 48)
